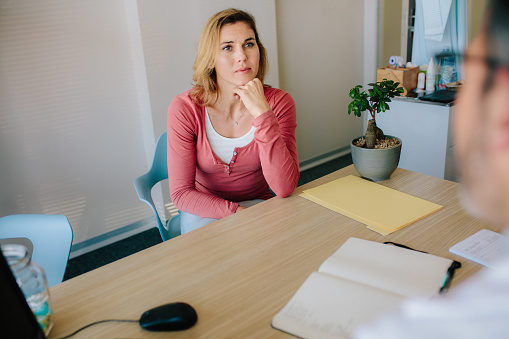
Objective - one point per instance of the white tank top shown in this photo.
(223, 147)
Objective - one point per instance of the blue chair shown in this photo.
(50, 235)
(143, 185)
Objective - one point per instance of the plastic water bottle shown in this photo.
(447, 69)
(32, 281)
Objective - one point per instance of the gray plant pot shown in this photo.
(376, 164)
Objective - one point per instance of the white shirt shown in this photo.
(224, 147)
(479, 308)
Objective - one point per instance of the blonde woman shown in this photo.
(231, 138)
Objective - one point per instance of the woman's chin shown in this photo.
(244, 79)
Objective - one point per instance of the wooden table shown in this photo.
(240, 271)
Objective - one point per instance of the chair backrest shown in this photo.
(51, 236)
(159, 166)
(144, 183)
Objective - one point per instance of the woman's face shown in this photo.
(237, 56)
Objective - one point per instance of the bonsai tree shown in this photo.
(374, 100)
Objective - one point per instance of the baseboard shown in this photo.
(323, 158)
(112, 237)
(147, 223)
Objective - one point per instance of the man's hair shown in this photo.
(205, 78)
(496, 30)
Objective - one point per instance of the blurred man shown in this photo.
(478, 308)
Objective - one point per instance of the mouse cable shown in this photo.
(99, 322)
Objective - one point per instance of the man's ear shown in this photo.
(500, 139)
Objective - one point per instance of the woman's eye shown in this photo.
(227, 48)
(249, 44)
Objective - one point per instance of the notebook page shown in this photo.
(483, 247)
(395, 269)
(329, 307)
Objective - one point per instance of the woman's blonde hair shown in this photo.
(205, 78)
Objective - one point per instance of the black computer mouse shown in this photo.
(170, 317)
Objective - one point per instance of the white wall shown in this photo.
(320, 59)
(84, 93)
(69, 123)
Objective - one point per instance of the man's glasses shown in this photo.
(460, 58)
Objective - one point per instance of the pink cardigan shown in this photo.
(202, 184)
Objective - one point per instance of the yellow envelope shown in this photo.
(380, 208)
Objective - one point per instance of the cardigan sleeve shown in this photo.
(182, 130)
(275, 135)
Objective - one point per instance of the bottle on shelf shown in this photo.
(447, 72)
(430, 76)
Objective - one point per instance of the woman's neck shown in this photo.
(229, 103)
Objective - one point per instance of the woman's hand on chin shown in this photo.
(253, 97)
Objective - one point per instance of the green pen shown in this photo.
(449, 275)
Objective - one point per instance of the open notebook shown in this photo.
(381, 209)
(359, 282)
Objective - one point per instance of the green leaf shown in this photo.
(374, 99)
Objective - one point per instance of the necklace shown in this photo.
(236, 122)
